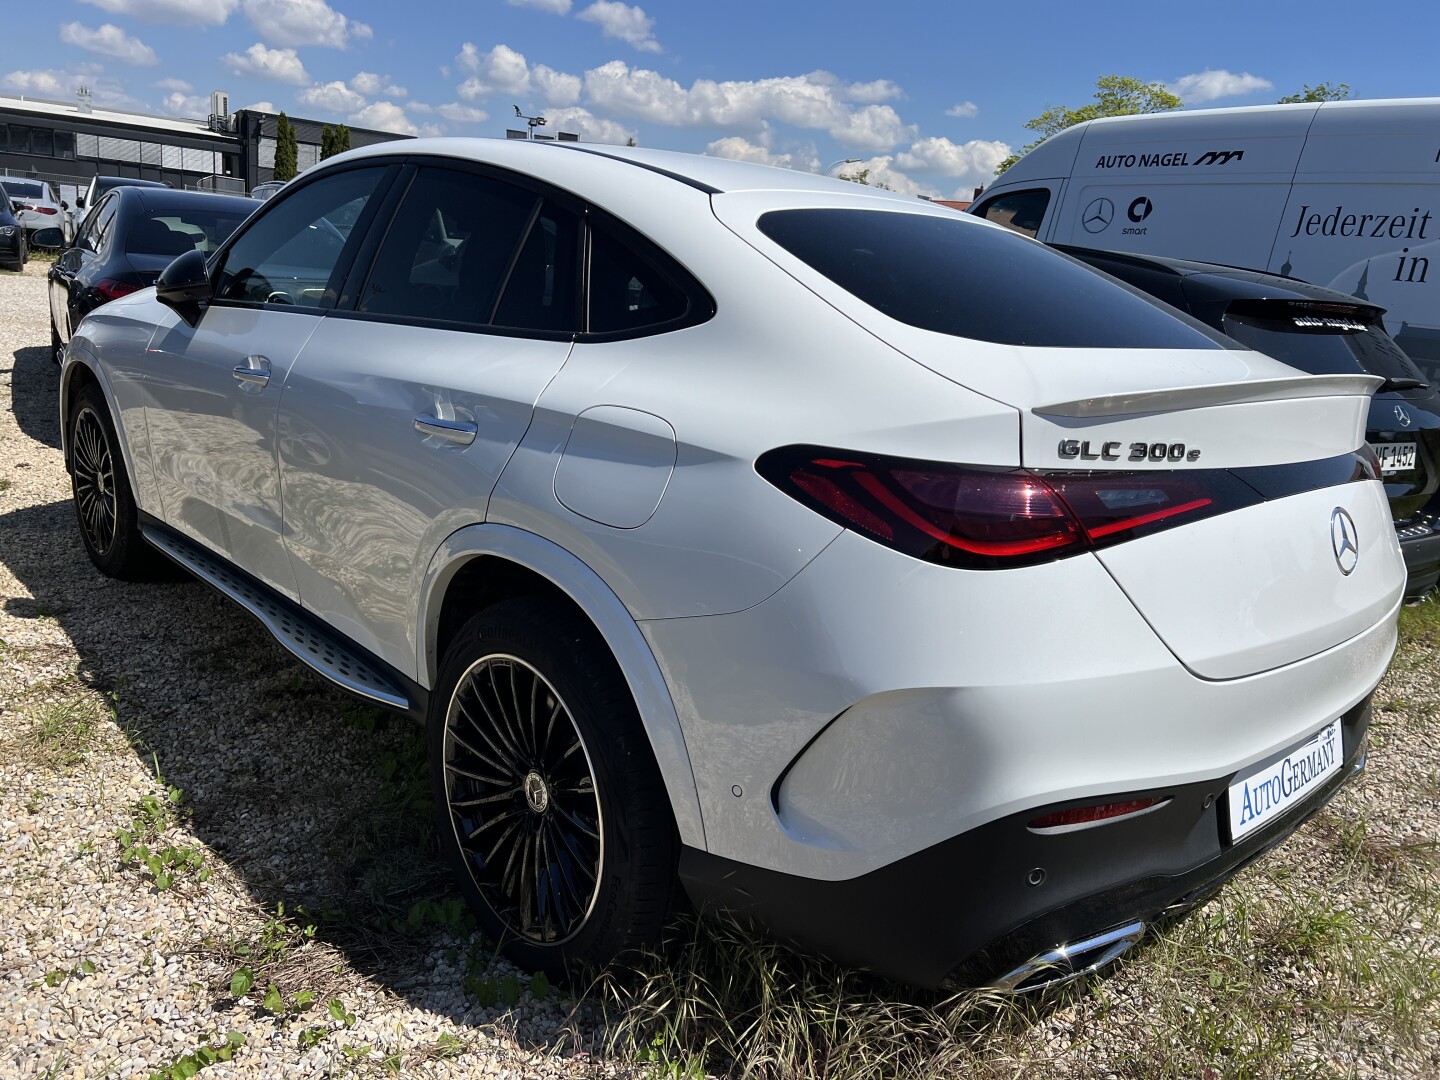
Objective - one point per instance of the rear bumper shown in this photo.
(971, 908)
(1422, 561)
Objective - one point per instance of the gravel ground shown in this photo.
(113, 694)
(258, 801)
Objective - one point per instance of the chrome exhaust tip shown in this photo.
(1067, 963)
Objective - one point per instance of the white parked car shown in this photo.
(949, 607)
(43, 207)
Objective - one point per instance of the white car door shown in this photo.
(212, 389)
(399, 415)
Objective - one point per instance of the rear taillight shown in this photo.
(44, 209)
(110, 289)
(990, 518)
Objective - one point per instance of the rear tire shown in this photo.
(550, 804)
(104, 504)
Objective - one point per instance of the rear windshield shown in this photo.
(174, 232)
(959, 278)
(21, 189)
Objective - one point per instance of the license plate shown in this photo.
(1395, 457)
(1271, 789)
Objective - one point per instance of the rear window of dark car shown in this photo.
(959, 278)
(1366, 352)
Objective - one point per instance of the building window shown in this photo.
(65, 145)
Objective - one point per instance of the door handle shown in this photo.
(456, 431)
(254, 372)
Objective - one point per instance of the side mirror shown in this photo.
(64, 205)
(79, 202)
(52, 239)
(185, 286)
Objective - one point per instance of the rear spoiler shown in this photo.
(1229, 393)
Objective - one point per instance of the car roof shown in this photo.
(153, 199)
(712, 174)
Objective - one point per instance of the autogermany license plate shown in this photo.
(1266, 792)
(1395, 457)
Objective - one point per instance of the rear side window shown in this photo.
(1019, 210)
(629, 291)
(956, 277)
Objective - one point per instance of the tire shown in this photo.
(551, 807)
(104, 504)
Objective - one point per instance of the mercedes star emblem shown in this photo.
(1344, 540)
(1402, 416)
(1098, 215)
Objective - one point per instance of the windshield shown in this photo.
(957, 277)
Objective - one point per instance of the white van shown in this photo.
(1341, 193)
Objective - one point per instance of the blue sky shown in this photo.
(927, 96)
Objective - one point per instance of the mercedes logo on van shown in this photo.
(1098, 215)
(1402, 416)
(1344, 540)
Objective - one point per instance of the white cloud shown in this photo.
(738, 148)
(47, 83)
(367, 82)
(555, 7)
(965, 110)
(384, 116)
(624, 22)
(804, 101)
(282, 65)
(589, 127)
(333, 97)
(61, 85)
(187, 12)
(873, 92)
(302, 22)
(109, 40)
(1198, 88)
(882, 170)
(973, 161)
(174, 84)
(177, 103)
(263, 106)
(463, 114)
(502, 70)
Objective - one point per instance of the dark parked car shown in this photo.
(14, 251)
(133, 234)
(1322, 332)
(101, 184)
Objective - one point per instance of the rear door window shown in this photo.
(957, 277)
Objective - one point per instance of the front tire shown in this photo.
(104, 504)
(551, 806)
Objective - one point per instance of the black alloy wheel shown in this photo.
(549, 801)
(104, 505)
(522, 799)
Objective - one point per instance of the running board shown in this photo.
(294, 627)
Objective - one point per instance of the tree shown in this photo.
(1115, 95)
(862, 176)
(287, 149)
(1319, 92)
(342, 139)
(327, 142)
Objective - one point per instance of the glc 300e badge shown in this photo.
(1344, 540)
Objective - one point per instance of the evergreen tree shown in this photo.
(342, 139)
(286, 149)
(327, 142)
